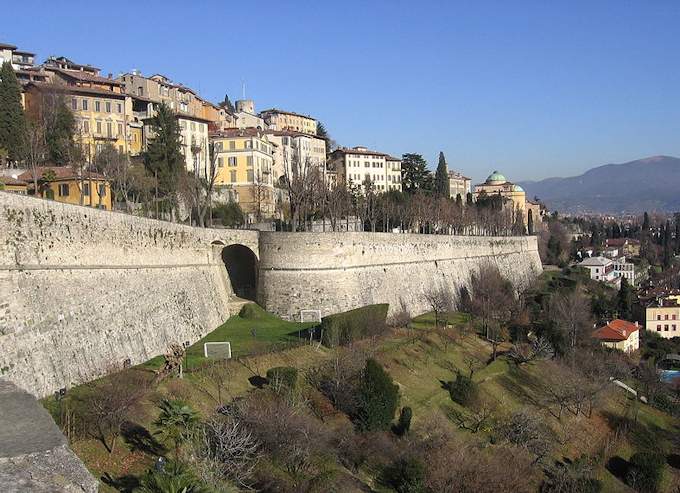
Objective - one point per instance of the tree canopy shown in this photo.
(12, 119)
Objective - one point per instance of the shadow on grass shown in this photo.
(618, 466)
(258, 381)
(523, 384)
(139, 438)
(124, 484)
(673, 460)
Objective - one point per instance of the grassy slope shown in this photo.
(419, 360)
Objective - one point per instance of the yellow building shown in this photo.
(245, 165)
(287, 120)
(663, 316)
(61, 183)
(513, 195)
(619, 334)
(9, 184)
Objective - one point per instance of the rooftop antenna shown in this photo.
(243, 87)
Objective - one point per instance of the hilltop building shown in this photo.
(290, 146)
(357, 164)
(245, 170)
(287, 120)
(619, 334)
(245, 116)
(497, 185)
(459, 185)
(663, 316)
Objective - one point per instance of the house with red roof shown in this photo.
(619, 334)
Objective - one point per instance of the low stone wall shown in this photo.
(334, 272)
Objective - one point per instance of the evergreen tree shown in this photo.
(227, 104)
(60, 125)
(468, 198)
(459, 201)
(645, 224)
(414, 173)
(530, 222)
(163, 157)
(667, 252)
(378, 397)
(12, 119)
(625, 300)
(441, 178)
(677, 234)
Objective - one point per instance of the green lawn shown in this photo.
(252, 331)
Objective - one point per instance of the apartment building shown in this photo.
(245, 170)
(99, 104)
(662, 316)
(287, 120)
(459, 185)
(356, 164)
(291, 146)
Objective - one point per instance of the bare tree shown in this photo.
(440, 300)
(34, 150)
(571, 315)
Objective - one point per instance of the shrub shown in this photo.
(251, 311)
(406, 476)
(283, 376)
(378, 398)
(174, 477)
(463, 390)
(342, 328)
(645, 471)
(404, 424)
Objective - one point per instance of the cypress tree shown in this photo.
(530, 222)
(12, 118)
(378, 396)
(625, 300)
(59, 134)
(441, 178)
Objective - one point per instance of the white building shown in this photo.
(194, 143)
(625, 269)
(309, 149)
(601, 269)
(459, 185)
(357, 164)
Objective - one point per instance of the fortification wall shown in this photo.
(82, 290)
(334, 272)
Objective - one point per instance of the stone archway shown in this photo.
(241, 264)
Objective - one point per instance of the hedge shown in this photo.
(343, 328)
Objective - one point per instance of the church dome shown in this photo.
(496, 177)
(517, 188)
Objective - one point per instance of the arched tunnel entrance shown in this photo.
(241, 265)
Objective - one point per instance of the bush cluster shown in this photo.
(645, 471)
(283, 376)
(379, 397)
(463, 390)
(343, 328)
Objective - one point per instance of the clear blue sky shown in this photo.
(532, 88)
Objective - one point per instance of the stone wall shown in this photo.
(335, 272)
(83, 290)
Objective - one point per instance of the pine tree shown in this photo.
(60, 129)
(468, 198)
(379, 397)
(625, 300)
(414, 173)
(12, 118)
(441, 178)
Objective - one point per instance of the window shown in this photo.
(251, 176)
(658, 328)
(232, 161)
(140, 91)
(108, 107)
(99, 127)
(673, 326)
(249, 144)
(193, 126)
(84, 104)
(63, 190)
(658, 317)
(232, 144)
(232, 176)
(86, 126)
(220, 162)
(120, 108)
(120, 129)
(74, 104)
(665, 317)
(97, 106)
(102, 190)
(249, 161)
(109, 130)
(665, 328)
(674, 315)
(86, 189)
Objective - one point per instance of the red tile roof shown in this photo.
(84, 76)
(8, 180)
(61, 173)
(616, 330)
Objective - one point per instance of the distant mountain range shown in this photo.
(650, 184)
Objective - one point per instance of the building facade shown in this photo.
(602, 269)
(245, 171)
(276, 119)
(459, 185)
(290, 146)
(63, 184)
(357, 164)
(662, 316)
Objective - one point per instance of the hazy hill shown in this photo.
(650, 184)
